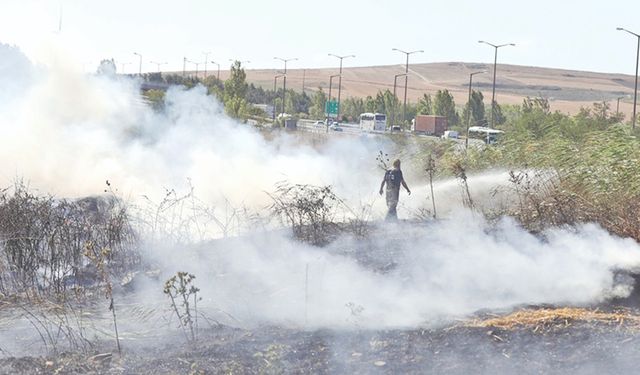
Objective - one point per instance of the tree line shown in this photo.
(239, 98)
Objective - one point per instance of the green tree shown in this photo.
(475, 109)
(369, 104)
(425, 105)
(236, 107)
(352, 108)
(444, 105)
(499, 117)
(236, 85)
(385, 103)
(235, 91)
(317, 104)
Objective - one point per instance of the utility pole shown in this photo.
(329, 101)
(275, 81)
(122, 65)
(158, 64)
(406, 80)
(184, 67)
(206, 58)
(493, 92)
(196, 64)
(218, 76)
(466, 141)
(635, 90)
(395, 99)
(284, 85)
(140, 65)
(340, 79)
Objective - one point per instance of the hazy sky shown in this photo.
(565, 34)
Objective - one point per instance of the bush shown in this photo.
(43, 240)
(309, 210)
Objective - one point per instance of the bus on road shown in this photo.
(373, 122)
(490, 136)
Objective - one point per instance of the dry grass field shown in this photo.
(567, 90)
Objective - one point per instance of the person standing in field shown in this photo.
(393, 179)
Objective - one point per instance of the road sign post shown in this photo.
(331, 109)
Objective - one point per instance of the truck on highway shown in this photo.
(429, 125)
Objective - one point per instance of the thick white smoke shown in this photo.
(408, 275)
(67, 133)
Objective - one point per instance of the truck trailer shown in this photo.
(430, 125)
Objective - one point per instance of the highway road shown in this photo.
(354, 129)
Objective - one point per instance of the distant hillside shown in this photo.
(567, 90)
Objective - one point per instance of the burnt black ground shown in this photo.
(574, 348)
(560, 348)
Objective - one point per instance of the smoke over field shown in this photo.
(67, 133)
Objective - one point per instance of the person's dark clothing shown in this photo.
(393, 179)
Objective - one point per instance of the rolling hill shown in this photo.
(567, 90)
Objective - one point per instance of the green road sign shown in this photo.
(331, 108)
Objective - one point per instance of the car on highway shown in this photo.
(335, 127)
(318, 124)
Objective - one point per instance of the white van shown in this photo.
(451, 134)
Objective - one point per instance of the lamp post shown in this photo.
(218, 76)
(140, 65)
(206, 58)
(158, 64)
(466, 141)
(284, 79)
(406, 80)
(122, 65)
(275, 81)
(184, 67)
(196, 64)
(635, 89)
(395, 82)
(329, 101)
(340, 79)
(493, 92)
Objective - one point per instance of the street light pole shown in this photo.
(284, 80)
(196, 64)
(406, 80)
(395, 99)
(158, 64)
(123, 64)
(206, 58)
(218, 76)
(466, 141)
(493, 92)
(275, 81)
(140, 65)
(635, 89)
(340, 79)
(329, 101)
(184, 67)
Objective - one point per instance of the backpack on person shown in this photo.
(393, 178)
